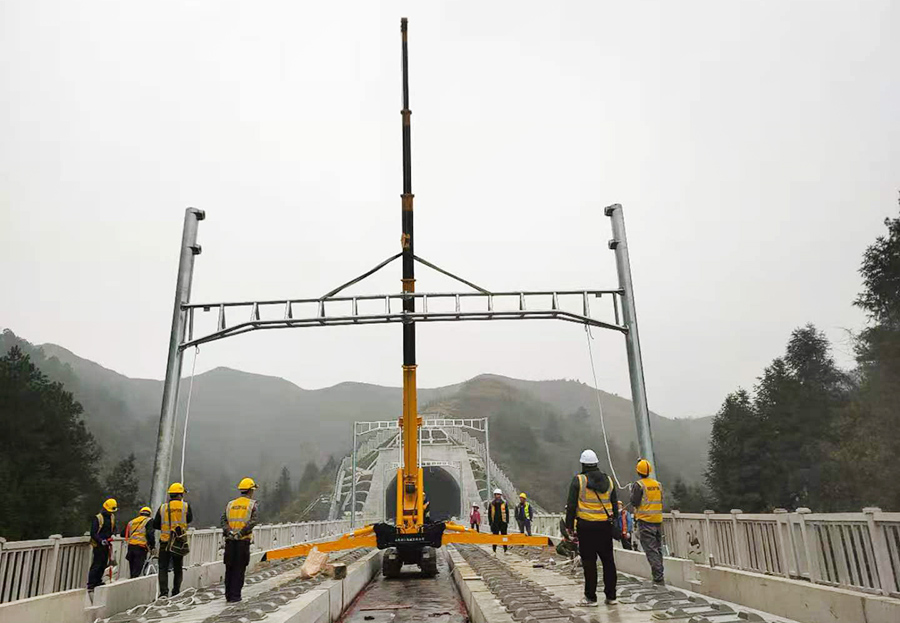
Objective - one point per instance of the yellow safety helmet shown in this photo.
(145, 510)
(176, 487)
(643, 467)
(247, 484)
(522, 495)
(111, 505)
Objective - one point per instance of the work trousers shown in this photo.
(650, 535)
(136, 558)
(499, 528)
(524, 526)
(237, 557)
(165, 558)
(595, 540)
(99, 560)
(475, 526)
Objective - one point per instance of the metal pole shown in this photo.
(487, 456)
(353, 482)
(619, 244)
(165, 441)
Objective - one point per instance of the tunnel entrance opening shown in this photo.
(443, 493)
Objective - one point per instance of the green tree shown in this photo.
(47, 457)
(869, 444)
(734, 470)
(122, 484)
(689, 498)
(310, 474)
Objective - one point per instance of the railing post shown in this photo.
(809, 548)
(738, 546)
(678, 546)
(886, 579)
(709, 545)
(48, 579)
(781, 522)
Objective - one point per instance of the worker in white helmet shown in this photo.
(498, 516)
(592, 501)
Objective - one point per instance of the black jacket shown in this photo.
(102, 533)
(496, 517)
(596, 481)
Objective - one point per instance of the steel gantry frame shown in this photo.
(334, 310)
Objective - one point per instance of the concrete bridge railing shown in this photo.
(854, 551)
(44, 566)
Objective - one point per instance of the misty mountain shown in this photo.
(242, 423)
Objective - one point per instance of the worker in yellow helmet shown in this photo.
(647, 502)
(139, 535)
(524, 514)
(103, 527)
(238, 520)
(592, 500)
(172, 521)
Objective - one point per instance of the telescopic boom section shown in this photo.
(409, 477)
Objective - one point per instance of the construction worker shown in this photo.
(626, 525)
(524, 514)
(647, 502)
(238, 520)
(172, 520)
(140, 541)
(498, 516)
(475, 518)
(103, 527)
(592, 500)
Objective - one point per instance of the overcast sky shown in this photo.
(755, 147)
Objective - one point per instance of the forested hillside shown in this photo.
(242, 423)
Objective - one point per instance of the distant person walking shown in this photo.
(172, 521)
(103, 527)
(647, 502)
(591, 500)
(524, 514)
(238, 520)
(475, 518)
(626, 524)
(498, 517)
(140, 541)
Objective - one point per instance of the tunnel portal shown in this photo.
(442, 489)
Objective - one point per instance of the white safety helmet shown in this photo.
(589, 457)
(496, 491)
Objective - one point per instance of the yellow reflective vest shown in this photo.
(238, 513)
(100, 522)
(172, 514)
(650, 509)
(136, 532)
(593, 506)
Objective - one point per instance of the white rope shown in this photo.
(187, 412)
(587, 332)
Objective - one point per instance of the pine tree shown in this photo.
(868, 446)
(122, 484)
(734, 472)
(47, 457)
